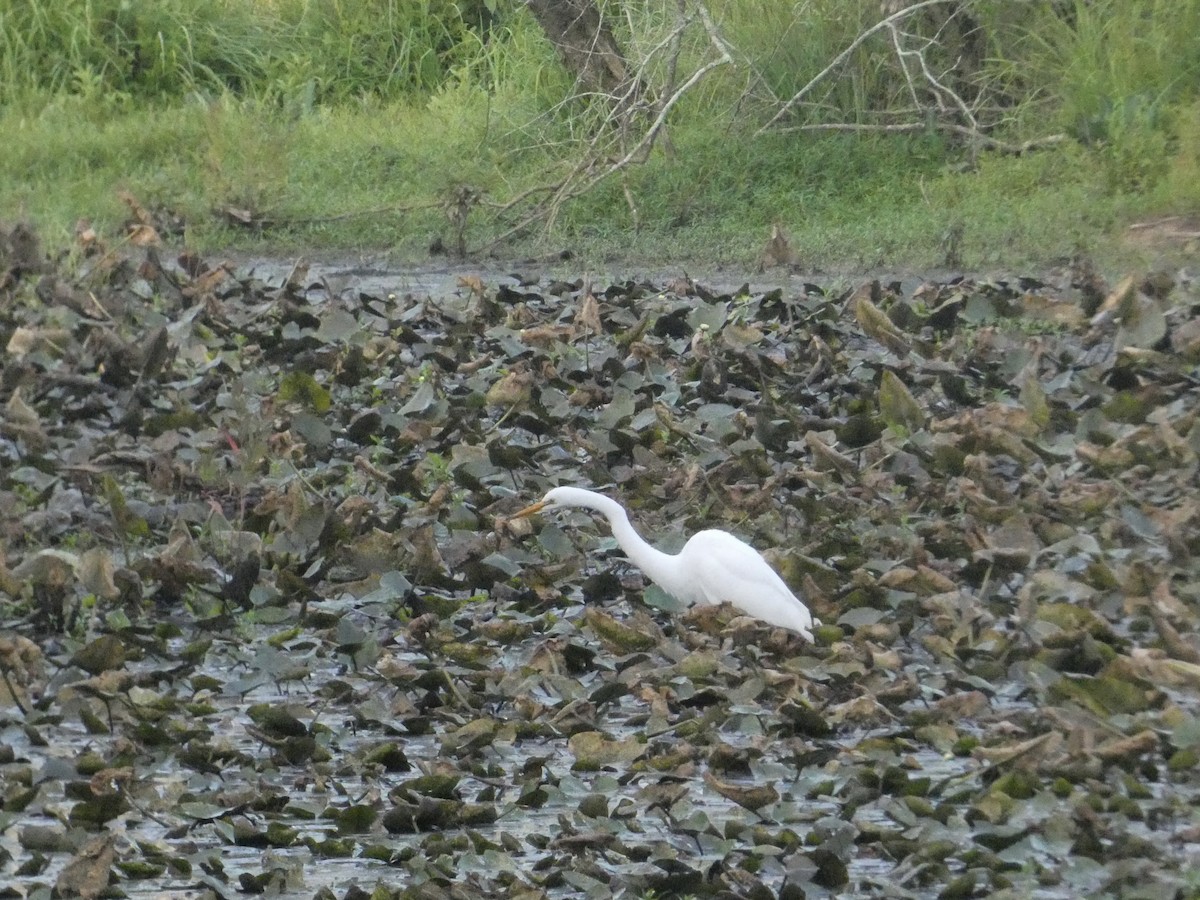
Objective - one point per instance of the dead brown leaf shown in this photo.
(88, 872)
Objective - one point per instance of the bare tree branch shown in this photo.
(938, 97)
(901, 127)
(844, 55)
(634, 126)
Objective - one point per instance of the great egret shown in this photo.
(713, 566)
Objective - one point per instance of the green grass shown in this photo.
(305, 50)
(350, 139)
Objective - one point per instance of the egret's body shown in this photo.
(713, 566)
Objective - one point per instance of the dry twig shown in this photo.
(940, 106)
(632, 146)
(844, 55)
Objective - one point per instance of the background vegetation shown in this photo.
(349, 124)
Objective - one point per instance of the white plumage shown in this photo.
(713, 566)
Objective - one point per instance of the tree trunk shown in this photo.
(584, 42)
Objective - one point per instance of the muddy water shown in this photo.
(208, 844)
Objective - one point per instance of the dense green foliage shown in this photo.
(305, 109)
(150, 49)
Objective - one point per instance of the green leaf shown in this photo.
(1144, 328)
(503, 563)
(622, 406)
(1104, 695)
(314, 431)
(592, 750)
(337, 325)
(1033, 398)
(656, 598)
(300, 387)
(898, 407)
(133, 525)
(861, 616)
(423, 398)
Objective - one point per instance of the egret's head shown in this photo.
(556, 498)
(546, 502)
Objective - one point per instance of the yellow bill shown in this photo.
(529, 510)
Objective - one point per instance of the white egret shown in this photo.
(713, 566)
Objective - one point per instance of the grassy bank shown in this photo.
(338, 128)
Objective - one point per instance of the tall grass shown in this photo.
(333, 49)
(300, 109)
(783, 45)
(1101, 59)
(1113, 74)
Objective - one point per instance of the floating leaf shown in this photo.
(422, 399)
(301, 387)
(1033, 398)
(622, 637)
(1143, 326)
(593, 750)
(130, 523)
(337, 325)
(1102, 695)
(502, 562)
(277, 721)
(313, 430)
(753, 796)
(86, 875)
(877, 325)
(897, 405)
(104, 653)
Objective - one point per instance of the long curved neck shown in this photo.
(661, 568)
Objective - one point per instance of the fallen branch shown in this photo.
(844, 55)
(598, 163)
(970, 133)
(358, 213)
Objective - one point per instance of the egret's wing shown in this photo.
(728, 570)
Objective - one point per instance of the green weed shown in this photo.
(327, 50)
(1180, 187)
(1109, 72)
(349, 123)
